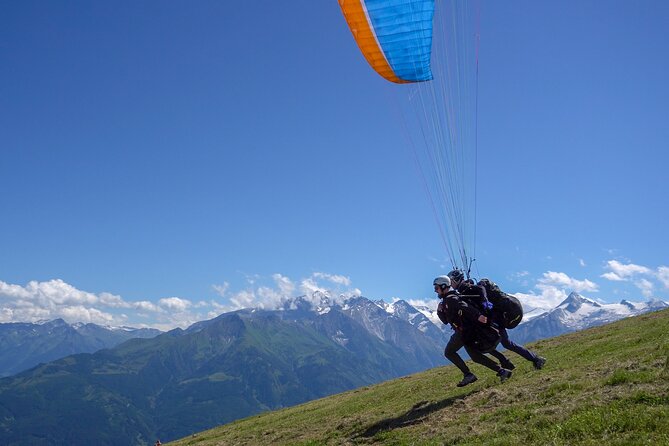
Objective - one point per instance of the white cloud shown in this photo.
(145, 305)
(14, 291)
(581, 262)
(285, 285)
(113, 301)
(88, 315)
(646, 287)
(217, 306)
(273, 292)
(309, 286)
(521, 277)
(554, 287)
(612, 276)
(221, 289)
(334, 278)
(643, 277)
(52, 292)
(243, 299)
(619, 271)
(549, 298)
(54, 299)
(175, 303)
(552, 279)
(663, 275)
(258, 295)
(269, 297)
(57, 299)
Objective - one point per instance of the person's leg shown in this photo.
(451, 353)
(503, 360)
(516, 348)
(482, 359)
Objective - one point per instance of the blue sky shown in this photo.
(163, 162)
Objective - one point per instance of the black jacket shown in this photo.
(463, 317)
(457, 312)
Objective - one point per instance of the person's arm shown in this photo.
(442, 312)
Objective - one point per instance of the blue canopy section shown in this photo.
(403, 29)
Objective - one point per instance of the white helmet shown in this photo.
(442, 281)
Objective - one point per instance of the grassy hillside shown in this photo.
(606, 385)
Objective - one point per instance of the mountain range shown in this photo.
(214, 372)
(577, 312)
(243, 363)
(24, 345)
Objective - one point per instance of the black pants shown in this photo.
(503, 360)
(451, 353)
(516, 348)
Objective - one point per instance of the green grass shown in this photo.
(607, 385)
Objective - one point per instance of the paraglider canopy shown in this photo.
(395, 36)
(434, 52)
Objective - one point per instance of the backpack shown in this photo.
(476, 297)
(507, 309)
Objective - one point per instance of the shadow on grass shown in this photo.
(414, 416)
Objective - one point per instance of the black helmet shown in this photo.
(456, 275)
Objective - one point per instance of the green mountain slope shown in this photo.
(230, 367)
(606, 385)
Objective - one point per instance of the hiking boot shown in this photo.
(468, 379)
(507, 365)
(504, 374)
(539, 363)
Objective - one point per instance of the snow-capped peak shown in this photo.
(575, 302)
(388, 308)
(628, 304)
